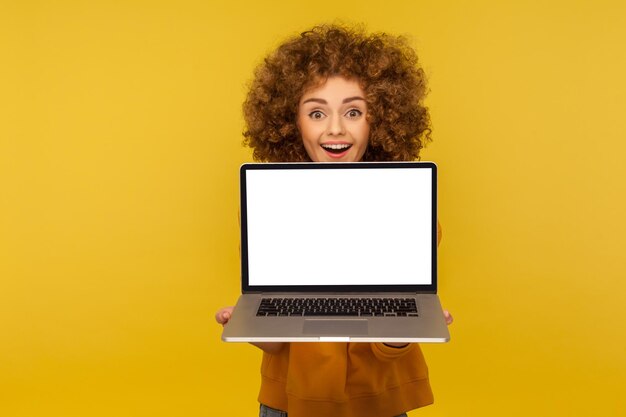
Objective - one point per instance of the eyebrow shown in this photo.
(322, 101)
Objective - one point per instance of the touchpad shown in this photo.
(335, 327)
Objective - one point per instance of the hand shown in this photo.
(223, 315)
(448, 317)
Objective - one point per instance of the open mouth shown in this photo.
(336, 148)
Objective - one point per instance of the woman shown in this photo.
(336, 94)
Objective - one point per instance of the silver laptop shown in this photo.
(338, 252)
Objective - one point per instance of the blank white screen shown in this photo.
(339, 226)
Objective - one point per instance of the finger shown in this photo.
(448, 317)
(221, 317)
(225, 318)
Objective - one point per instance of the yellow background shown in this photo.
(120, 139)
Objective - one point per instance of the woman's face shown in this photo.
(332, 121)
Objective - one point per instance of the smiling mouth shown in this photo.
(336, 148)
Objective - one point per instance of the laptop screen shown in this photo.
(338, 225)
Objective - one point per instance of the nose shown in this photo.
(335, 126)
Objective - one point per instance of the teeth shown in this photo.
(336, 146)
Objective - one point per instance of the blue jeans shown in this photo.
(266, 411)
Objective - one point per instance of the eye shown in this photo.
(354, 113)
(316, 115)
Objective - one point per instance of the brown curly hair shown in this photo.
(386, 68)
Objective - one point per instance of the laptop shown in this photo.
(338, 252)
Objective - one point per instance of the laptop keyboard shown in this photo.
(360, 307)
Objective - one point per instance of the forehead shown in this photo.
(336, 87)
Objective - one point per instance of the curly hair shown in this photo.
(385, 66)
